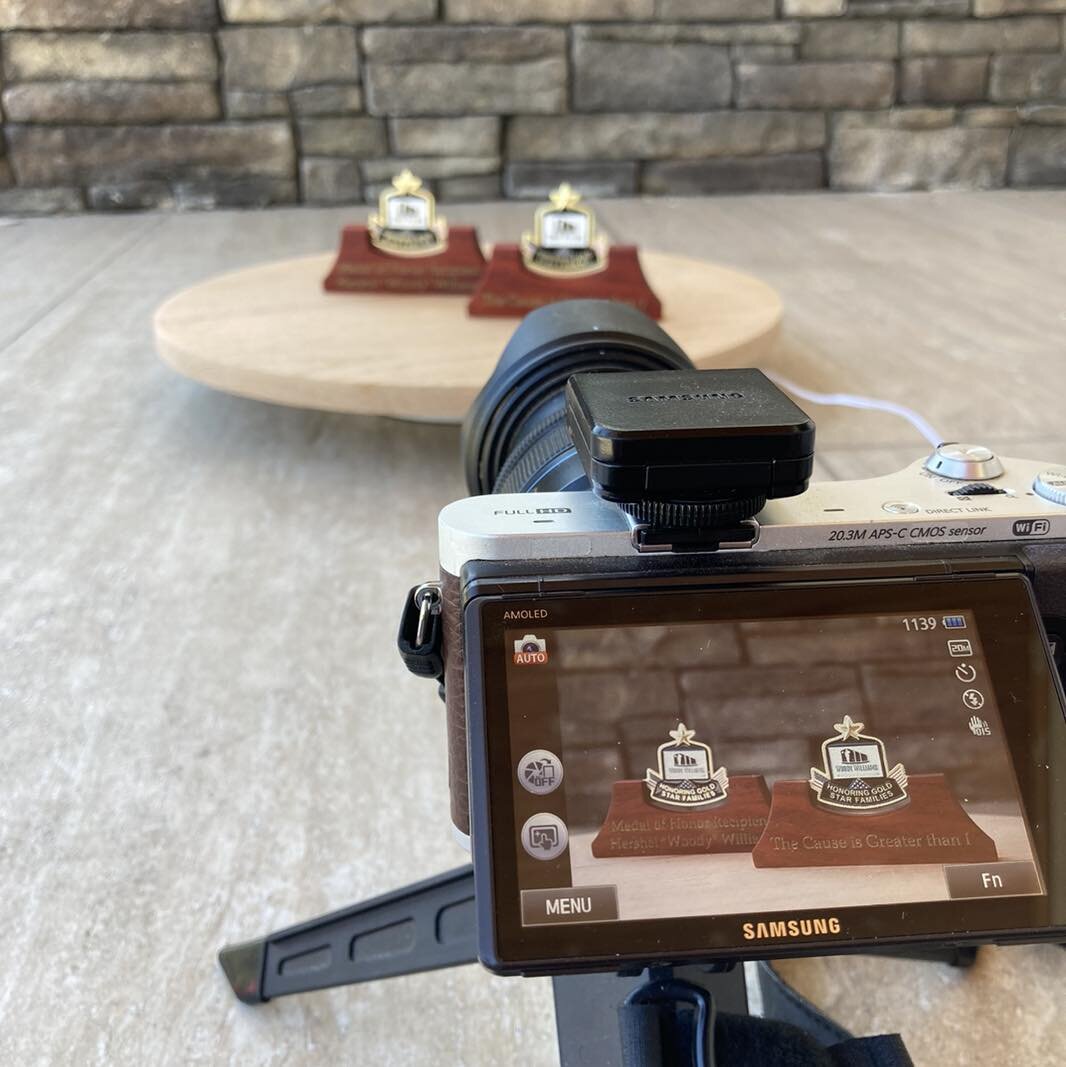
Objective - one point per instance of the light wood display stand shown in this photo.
(271, 333)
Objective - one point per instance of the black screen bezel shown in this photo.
(1022, 674)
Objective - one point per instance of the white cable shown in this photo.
(847, 400)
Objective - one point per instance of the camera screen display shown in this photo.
(765, 765)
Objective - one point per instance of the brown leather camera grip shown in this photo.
(455, 699)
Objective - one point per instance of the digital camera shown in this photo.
(698, 710)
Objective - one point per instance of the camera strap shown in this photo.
(669, 1022)
(421, 632)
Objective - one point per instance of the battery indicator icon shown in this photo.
(954, 622)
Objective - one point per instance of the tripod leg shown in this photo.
(955, 955)
(421, 927)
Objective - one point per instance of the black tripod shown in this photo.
(661, 1016)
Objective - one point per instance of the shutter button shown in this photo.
(964, 463)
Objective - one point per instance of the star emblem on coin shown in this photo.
(848, 728)
(682, 735)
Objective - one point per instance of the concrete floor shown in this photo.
(199, 596)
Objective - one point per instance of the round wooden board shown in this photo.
(272, 333)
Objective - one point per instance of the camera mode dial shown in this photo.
(1051, 485)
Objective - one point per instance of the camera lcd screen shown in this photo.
(725, 771)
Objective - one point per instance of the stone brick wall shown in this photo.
(110, 104)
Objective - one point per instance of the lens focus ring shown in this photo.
(532, 452)
(525, 390)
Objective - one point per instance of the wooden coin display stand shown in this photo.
(272, 332)
(362, 268)
(931, 828)
(635, 827)
(509, 288)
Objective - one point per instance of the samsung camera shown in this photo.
(698, 709)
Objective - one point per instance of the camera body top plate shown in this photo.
(913, 507)
(689, 435)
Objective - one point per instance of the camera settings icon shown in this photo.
(530, 650)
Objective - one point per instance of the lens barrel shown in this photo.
(515, 437)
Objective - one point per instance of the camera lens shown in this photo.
(515, 438)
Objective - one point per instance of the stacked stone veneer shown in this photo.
(197, 103)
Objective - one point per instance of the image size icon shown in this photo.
(960, 648)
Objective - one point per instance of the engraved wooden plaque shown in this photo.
(931, 828)
(508, 288)
(362, 268)
(634, 827)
